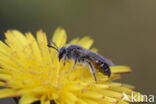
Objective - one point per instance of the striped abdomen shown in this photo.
(100, 63)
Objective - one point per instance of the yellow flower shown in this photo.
(31, 71)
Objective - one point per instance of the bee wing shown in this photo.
(96, 56)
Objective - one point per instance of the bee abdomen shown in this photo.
(103, 67)
(106, 69)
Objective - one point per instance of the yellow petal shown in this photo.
(14, 42)
(94, 50)
(81, 101)
(121, 89)
(34, 47)
(2, 83)
(113, 84)
(5, 77)
(42, 41)
(44, 100)
(122, 102)
(74, 41)
(59, 37)
(103, 86)
(92, 94)
(4, 49)
(90, 101)
(7, 93)
(21, 38)
(71, 97)
(73, 87)
(86, 42)
(2, 71)
(120, 69)
(110, 100)
(111, 93)
(28, 99)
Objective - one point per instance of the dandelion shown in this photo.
(31, 72)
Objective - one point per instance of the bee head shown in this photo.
(61, 53)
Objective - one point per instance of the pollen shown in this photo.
(30, 71)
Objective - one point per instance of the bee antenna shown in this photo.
(53, 47)
(54, 44)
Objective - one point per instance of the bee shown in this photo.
(79, 54)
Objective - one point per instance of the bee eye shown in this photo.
(61, 53)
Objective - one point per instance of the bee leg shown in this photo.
(75, 61)
(92, 69)
(64, 59)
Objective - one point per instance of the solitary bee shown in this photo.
(79, 54)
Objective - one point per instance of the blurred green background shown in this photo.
(123, 30)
